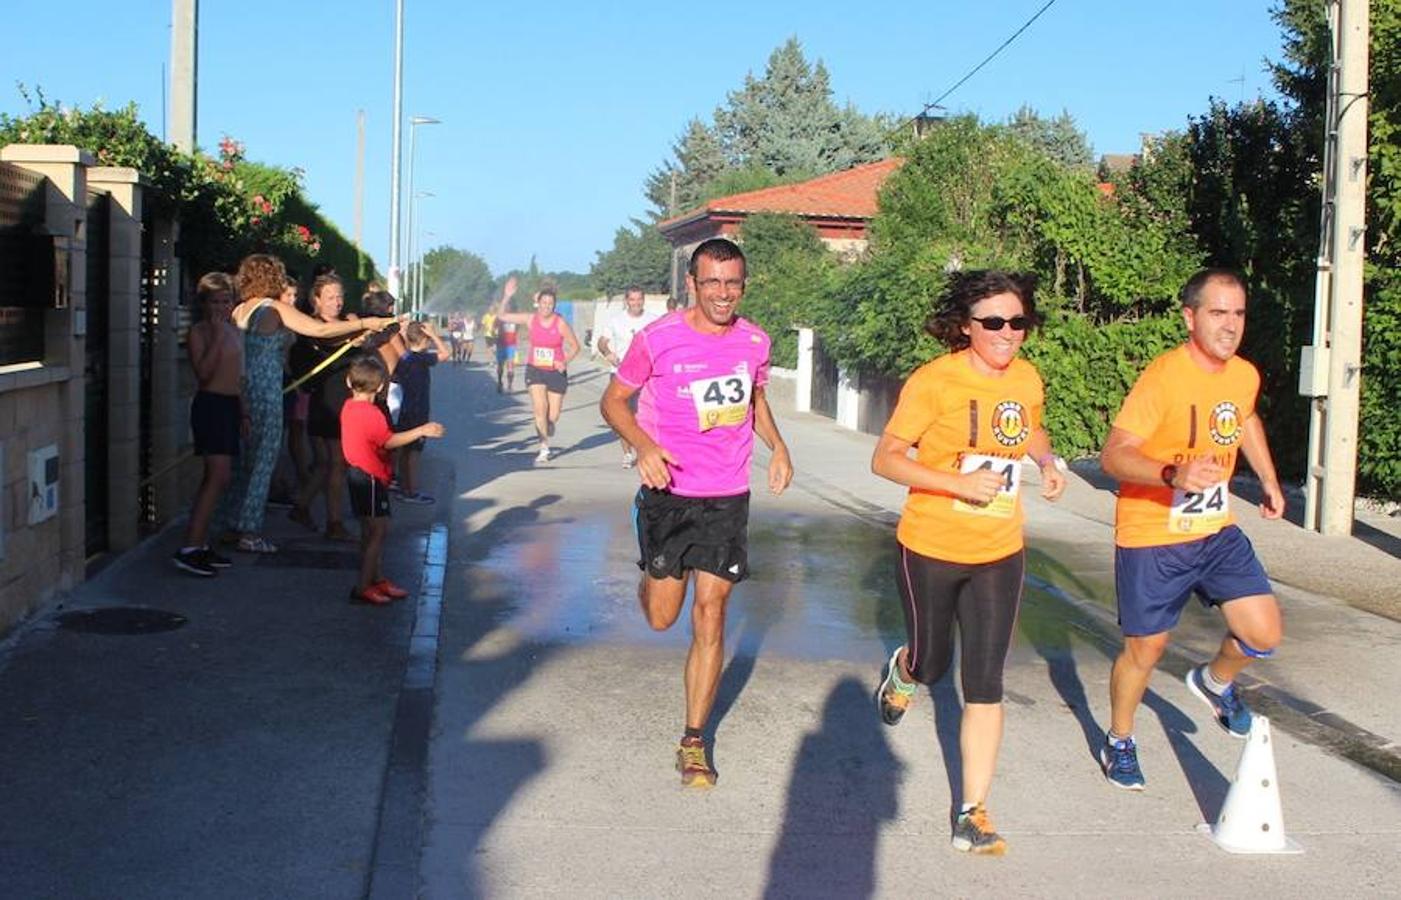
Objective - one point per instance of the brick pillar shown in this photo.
(124, 186)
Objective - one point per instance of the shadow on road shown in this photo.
(475, 779)
(842, 790)
(1049, 625)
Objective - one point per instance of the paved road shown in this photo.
(558, 711)
(281, 743)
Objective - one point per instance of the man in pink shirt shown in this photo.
(701, 372)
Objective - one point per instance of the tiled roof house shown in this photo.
(839, 205)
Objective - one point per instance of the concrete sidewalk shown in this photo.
(240, 754)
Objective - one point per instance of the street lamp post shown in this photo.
(394, 218)
(418, 302)
(415, 251)
(414, 122)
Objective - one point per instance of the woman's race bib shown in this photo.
(1005, 502)
(542, 357)
(722, 401)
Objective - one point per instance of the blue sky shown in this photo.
(554, 113)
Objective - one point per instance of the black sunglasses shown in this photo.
(996, 323)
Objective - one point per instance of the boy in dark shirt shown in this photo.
(366, 441)
(425, 349)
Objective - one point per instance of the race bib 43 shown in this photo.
(722, 401)
(1005, 503)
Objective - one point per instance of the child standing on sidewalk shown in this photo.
(217, 416)
(366, 441)
(413, 375)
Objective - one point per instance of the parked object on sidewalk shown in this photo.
(1252, 818)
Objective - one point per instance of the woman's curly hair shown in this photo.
(963, 290)
(260, 275)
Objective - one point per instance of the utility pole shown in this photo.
(398, 148)
(359, 179)
(1337, 348)
(670, 212)
(184, 68)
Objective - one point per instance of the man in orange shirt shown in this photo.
(1173, 448)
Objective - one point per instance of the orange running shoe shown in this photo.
(393, 590)
(693, 765)
(371, 595)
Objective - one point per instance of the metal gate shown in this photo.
(95, 371)
(824, 381)
(149, 322)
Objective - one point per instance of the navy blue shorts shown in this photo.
(1154, 583)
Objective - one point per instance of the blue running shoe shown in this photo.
(1229, 709)
(1119, 759)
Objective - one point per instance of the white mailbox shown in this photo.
(43, 483)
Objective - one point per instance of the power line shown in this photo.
(958, 84)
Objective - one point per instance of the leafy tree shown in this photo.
(784, 123)
(455, 280)
(789, 270)
(639, 255)
(1059, 138)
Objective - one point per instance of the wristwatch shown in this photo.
(1168, 473)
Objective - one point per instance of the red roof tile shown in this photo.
(848, 194)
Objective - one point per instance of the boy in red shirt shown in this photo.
(366, 440)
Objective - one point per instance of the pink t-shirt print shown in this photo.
(697, 399)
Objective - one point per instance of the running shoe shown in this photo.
(217, 560)
(372, 596)
(543, 456)
(390, 588)
(1229, 709)
(417, 497)
(193, 561)
(1119, 760)
(691, 762)
(255, 544)
(890, 700)
(973, 833)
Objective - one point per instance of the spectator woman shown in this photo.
(261, 316)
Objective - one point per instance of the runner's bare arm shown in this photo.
(1256, 448)
(1038, 447)
(571, 344)
(443, 350)
(1124, 459)
(652, 459)
(780, 463)
(891, 460)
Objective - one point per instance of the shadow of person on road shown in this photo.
(1044, 622)
(756, 620)
(843, 788)
(475, 779)
(1208, 784)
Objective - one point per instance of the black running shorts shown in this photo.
(216, 421)
(369, 498)
(555, 382)
(676, 533)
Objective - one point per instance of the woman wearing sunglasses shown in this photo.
(973, 414)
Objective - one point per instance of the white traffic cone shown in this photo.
(1252, 820)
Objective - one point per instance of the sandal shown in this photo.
(336, 531)
(302, 516)
(256, 545)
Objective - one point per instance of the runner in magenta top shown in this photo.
(546, 342)
(697, 393)
(701, 372)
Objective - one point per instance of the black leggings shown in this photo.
(983, 598)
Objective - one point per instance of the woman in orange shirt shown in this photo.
(973, 414)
